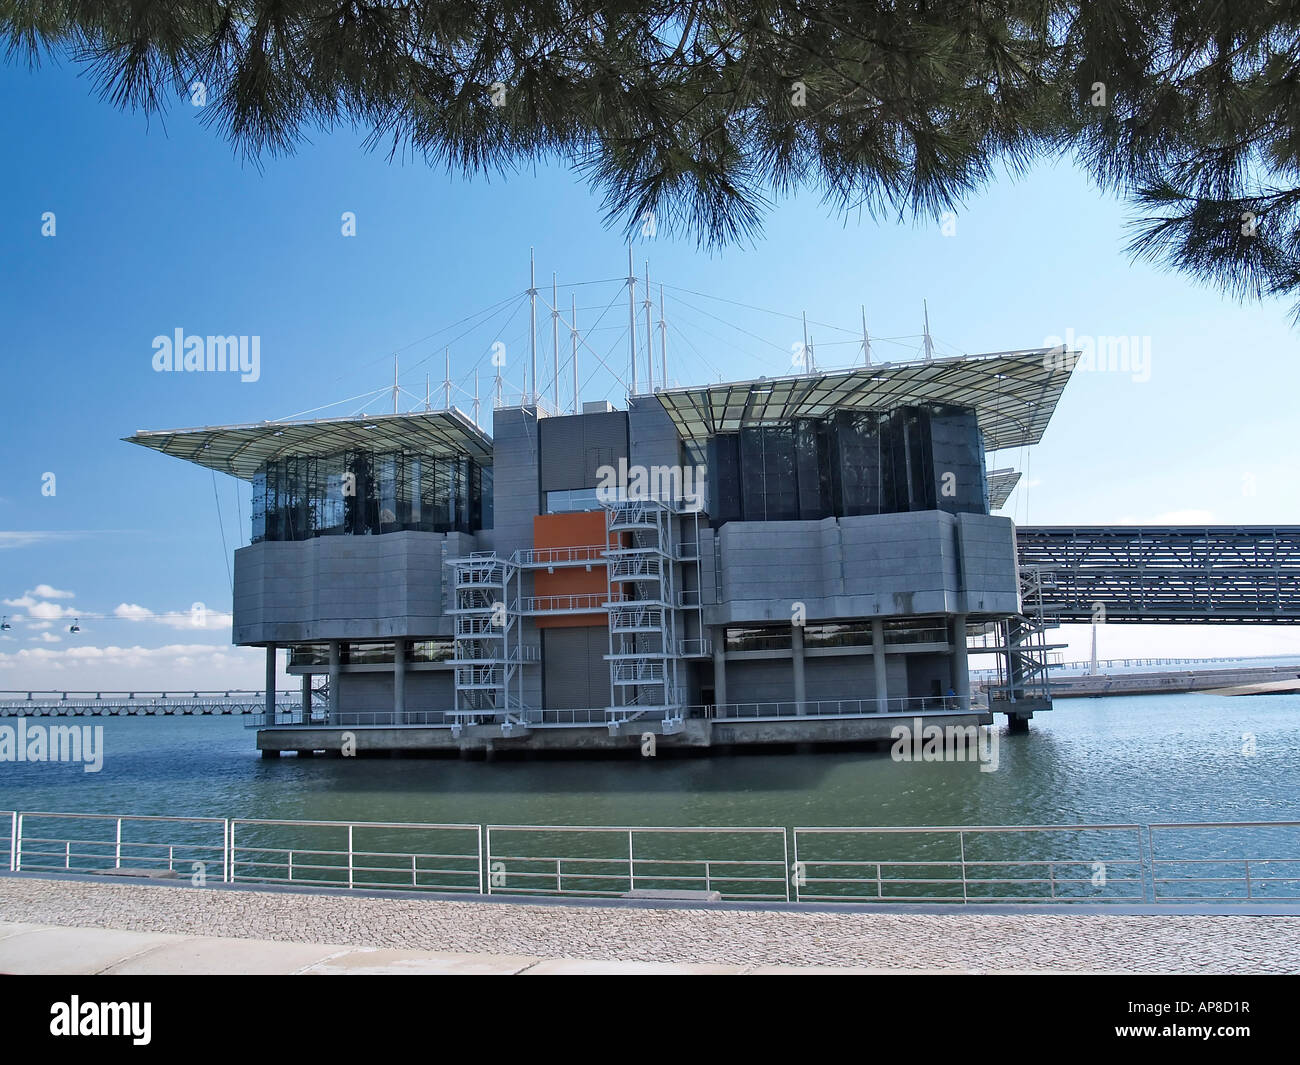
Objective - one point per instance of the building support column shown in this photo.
(306, 698)
(399, 682)
(878, 665)
(270, 683)
(796, 654)
(334, 681)
(960, 665)
(720, 667)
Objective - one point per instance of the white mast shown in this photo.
(866, 339)
(446, 384)
(573, 335)
(532, 328)
(663, 338)
(555, 339)
(929, 344)
(807, 350)
(631, 314)
(395, 384)
(427, 394)
(476, 396)
(649, 335)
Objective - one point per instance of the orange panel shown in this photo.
(560, 531)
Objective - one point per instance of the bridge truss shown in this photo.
(1217, 574)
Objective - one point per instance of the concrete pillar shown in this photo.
(719, 667)
(960, 666)
(878, 664)
(796, 655)
(306, 698)
(399, 682)
(334, 681)
(270, 683)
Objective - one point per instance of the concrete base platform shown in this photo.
(695, 733)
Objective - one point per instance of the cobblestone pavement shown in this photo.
(961, 941)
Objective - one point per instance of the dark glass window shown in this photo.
(758, 638)
(362, 493)
(769, 487)
(724, 478)
(838, 634)
(856, 462)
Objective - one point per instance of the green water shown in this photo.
(1131, 759)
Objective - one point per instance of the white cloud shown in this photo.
(180, 667)
(44, 591)
(46, 611)
(49, 637)
(27, 537)
(202, 619)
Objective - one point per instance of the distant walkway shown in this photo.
(143, 927)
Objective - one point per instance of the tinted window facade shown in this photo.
(853, 463)
(366, 493)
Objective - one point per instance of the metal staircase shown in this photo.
(645, 559)
(488, 650)
(1025, 657)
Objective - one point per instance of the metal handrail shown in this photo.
(1250, 877)
(845, 873)
(117, 843)
(351, 853)
(832, 708)
(630, 863)
(966, 869)
(576, 554)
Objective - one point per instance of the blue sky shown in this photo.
(159, 226)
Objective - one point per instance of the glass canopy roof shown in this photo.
(241, 449)
(1013, 393)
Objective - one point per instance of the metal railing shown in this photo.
(1240, 866)
(1064, 863)
(577, 871)
(271, 856)
(831, 708)
(344, 719)
(193, 851)
(587, 602)
(560, 556)
(1210, 862)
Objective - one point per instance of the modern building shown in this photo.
(798, 559)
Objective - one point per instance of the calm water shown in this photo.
(1135, 759)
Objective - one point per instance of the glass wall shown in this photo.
(854, 462)
(572, 501)
(364, 493)
(436, 649)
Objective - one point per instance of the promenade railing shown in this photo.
(1174, 862)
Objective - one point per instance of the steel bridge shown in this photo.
(141, 703)
(1166, 574)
